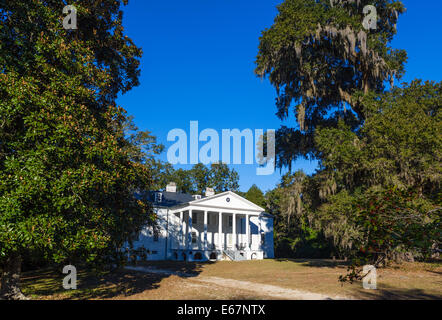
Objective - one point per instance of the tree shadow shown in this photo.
(320, 263)
(48, 283)
(386, 292)
(183, 269)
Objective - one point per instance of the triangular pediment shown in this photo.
(228, 200)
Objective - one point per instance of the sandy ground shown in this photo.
(254, 289)
(281, 279)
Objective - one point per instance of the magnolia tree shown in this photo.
(67, 173)
(389, 223)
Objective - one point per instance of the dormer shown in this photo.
(158, 197)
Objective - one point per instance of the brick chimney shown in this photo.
(171, 187)
(209, 192)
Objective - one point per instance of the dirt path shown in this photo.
(258, 289)
(267, 290)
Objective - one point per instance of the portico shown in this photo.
(189, 227)
(218, 227)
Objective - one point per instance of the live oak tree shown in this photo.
(332, 74)
(398, 149)
(67, 172)
(291, 205)
(291, 198)
(377, 193)
(399, 143)
(322, 60)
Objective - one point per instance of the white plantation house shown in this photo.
(211, 227)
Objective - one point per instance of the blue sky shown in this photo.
(199, 58)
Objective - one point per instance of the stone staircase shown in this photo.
(234, 255)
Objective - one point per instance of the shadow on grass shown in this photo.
(182, 268)
(386, 292)
(320, 263)
(48, 283)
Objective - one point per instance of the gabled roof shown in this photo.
(170, 199)
(227, 200)
(176, 199)
(239, 201)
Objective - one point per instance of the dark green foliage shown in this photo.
(390, 222)
(303, 244)
(390, 149)
(196, 180)
(321, 61)
(294, 235)
(201, 175)
(331, 74)
(399, 143)
(221, 178)
(68, 172)
(255, 195)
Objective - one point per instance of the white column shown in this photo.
(205, 230)
(220, 229)
(260, 233)
(186, 230)
(189, 235)
(181, 238)
(234, 231)
(247, 232)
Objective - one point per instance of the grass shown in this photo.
(47, 284)
(408, 281)
(405, 281)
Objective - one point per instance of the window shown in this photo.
(195, 218)
(193, 237)
(230, 221)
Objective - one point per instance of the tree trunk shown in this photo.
(10, 282)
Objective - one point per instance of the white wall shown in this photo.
(267, 227)
(158, 248)
(146, 238)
